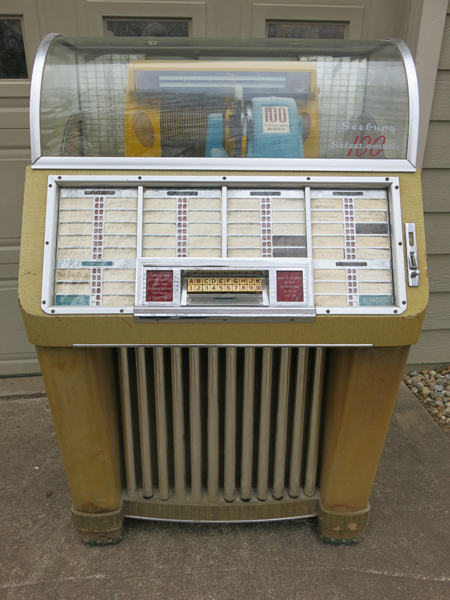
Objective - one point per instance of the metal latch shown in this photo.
(411, 253)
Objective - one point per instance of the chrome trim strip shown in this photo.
(127, 424)
(224, 164)
(308, 229)
(398, 249)
(144, 424)
(237, 521)
(50, 247)
(413, 94)
(139, 241)
(35, 96)
(195, 424)
(247, 181)
(247, 424)
(312, 453)
(264, 425)
(161, 423)
(140, 220)
(230, 425)
(248, 345)
(279, 466)
(213, 424)
(357, 310)
(298, 422)
(224, 222)
(178, 425)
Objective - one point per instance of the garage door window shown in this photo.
(13, 64)
(147, 27)
(303, 30)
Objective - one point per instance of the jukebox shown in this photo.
(222, 269)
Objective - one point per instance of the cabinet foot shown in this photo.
(99, 528)
(342, 527)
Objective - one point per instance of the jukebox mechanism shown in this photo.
(209, 109)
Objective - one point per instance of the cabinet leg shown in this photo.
(80, 385)
(363, 385)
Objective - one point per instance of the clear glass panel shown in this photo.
(13, 64)
(160, 97)
(303, 30)
(147, 27)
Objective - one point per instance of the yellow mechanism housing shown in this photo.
(150, 121)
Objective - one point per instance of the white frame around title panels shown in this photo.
(391, 184)
(224, 164)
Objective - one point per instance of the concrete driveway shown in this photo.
(404, 555)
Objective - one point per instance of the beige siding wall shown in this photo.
(434, 343)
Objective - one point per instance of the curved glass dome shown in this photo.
(205, 103)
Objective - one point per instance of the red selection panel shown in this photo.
(159, 286)
(289, 286)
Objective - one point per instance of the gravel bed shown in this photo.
(432, 388)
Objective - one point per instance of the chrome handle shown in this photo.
(413, 263)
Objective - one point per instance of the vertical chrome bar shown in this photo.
(314, 423)
(161, 423)
(280, 436)
(264, 425)
(224, 223)
(247, 425)
(139, 292)
(140, 219)
(298, 423)
(127, 425)
(178, 425)
(196, 439)
(144, 424)
(213, 424)
(308, 222)
(230, 425)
